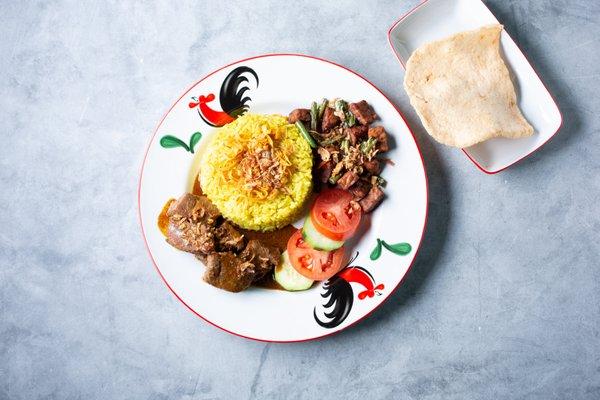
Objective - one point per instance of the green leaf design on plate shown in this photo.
(376, 251)
(194, 139)
(169, 142)
(400, 249)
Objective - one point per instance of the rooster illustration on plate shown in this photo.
(233, 98)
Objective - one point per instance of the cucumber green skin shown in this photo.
(288, 277)
(317, 240)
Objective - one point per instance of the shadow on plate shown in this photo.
(434, 238)
(549, 74)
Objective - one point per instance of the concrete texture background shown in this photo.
(504, 298)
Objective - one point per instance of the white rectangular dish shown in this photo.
(436, 19)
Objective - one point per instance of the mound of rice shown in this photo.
(258, 171)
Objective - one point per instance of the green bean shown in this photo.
(332, 140)
(314, 116)
(322, 107)
(305, 134)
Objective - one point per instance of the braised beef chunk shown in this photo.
(228, 238)
(382, 139)
(229, 272)
(190, 236)
(356, 133)
(363, 112)
(330, 120)
(324, 171)
(348, 179)
(372, 199)
(183, 205)
(373, 166)
(263, 257)
(360, 189)
(202, 257)
(197, 208)
(231, 264)
(191, 221)
(299, 114)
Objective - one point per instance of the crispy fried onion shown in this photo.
(262, 166)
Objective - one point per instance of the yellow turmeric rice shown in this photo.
(258, 171)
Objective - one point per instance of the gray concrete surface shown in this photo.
(503, 301)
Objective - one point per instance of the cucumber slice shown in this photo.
(288, 277)
(316, 239)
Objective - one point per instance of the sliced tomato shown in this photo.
(335, 215)
(313, 264)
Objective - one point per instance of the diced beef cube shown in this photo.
(229, 272)
(229, 238)
(382, 139)
(356, 133)
(299, 114)
(360, 189)
(347, 180)
(330, 120)
(264, 258)
(363, 112)
(372, 199)
(324, 171)
(372, 166)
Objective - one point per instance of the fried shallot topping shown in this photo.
(264, 172)
(262, 166)
(193, 233)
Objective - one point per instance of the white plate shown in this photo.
(286, 82)
(436, 19)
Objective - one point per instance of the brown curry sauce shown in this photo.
(277, 238)
(163, 220)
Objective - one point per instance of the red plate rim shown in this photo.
(326, 334)
(479, 166)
